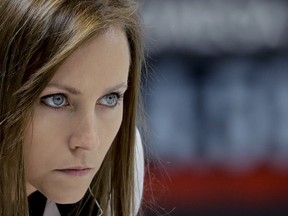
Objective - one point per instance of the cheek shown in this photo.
(41, 143)
(31, 154)
(110, 127)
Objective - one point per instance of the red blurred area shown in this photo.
(216, 188)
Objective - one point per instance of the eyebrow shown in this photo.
(75, 91)
(65, 87)
(116, 87)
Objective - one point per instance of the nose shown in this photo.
(84, 134)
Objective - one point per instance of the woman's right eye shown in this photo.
(55, 100)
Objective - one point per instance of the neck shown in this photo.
(29, 189)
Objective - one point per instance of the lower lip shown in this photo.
(75, 172)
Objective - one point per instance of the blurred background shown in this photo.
(216, 99)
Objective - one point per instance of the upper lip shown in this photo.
(76, 168)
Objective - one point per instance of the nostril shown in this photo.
(85, 140)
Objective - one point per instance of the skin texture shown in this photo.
(80, 130)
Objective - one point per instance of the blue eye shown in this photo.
(55, 100)
(110, 100)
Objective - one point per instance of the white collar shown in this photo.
(51, 209)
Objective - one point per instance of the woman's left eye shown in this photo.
(55, 100)
(110, 100)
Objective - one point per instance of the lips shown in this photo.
(75, 171)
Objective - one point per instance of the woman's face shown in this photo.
(76, 118)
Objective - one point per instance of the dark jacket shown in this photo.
(37, 203)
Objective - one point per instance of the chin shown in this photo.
(63, 197)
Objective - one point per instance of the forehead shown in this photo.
(109, 38)
(105, 56)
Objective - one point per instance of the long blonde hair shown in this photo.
(36, 36)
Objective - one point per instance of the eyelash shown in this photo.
(42, 100)
(119, 96)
